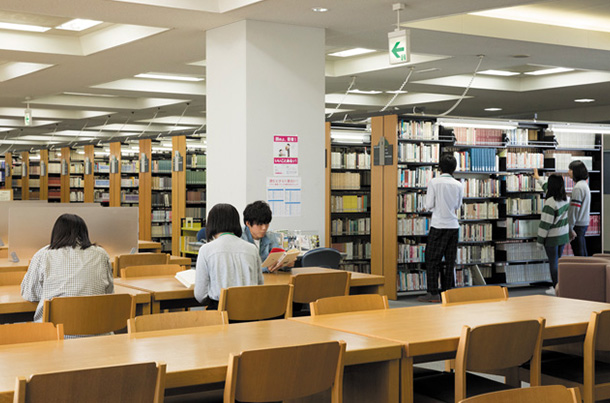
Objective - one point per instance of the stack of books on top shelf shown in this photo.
(524, 159)
(478, 136)
(418, 130)
(575, 140)
(521, 137)
(477, 160)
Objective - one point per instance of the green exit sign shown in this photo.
(399, 47)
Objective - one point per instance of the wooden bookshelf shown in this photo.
(115, 178)
(178, 191)
(44, 179)
(65, 175)
(145, 180)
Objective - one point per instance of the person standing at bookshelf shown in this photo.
(225, 260)
(257, 216)
(580, 207)
(553, 231)
(443, 198)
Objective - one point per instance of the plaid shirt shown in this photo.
(66, 272)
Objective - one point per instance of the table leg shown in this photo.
(155, 306)
(406, 380)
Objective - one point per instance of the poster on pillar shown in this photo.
(284, 196)
(285, 155)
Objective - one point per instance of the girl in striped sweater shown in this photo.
(553, 232)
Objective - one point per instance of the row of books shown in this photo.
(522, 183)
(34, 183)
(132, 182)
(475, 254)
(99, 196)
(477, 160)
(478, 211)
(411, 252)
(195, 196)
(521, 251)
(516, 228)
(358, 268)
(164, 230)
(350, 160)
(349, 204)
(463, 277)
(562, 160)
(594, 225)
(195, 177)
(348, 226)
(478, 232)
(411, 202)
(576, 140)
(414, 280)
(130, 166)
(161, 199)
(101, 183)
(77, 196)
(353, 250)
(161, 166)
(161, 182)
(519, 136)
(98, 167)
(196, 160)
(195, 212)
(525, 273)
(413, 226)
(524, 160)
(129, 197)
(474, 187)
(478, 136)
(418, 130)
(161, 216)
(408, 152)
(416, 177)
(347, 180)
(34, 169)
(521, 206)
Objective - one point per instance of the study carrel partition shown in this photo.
(5, 207)
(113, 228)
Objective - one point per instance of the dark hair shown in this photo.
(556, 188)
(70, 230)
(258, 212)
(579, 170)
(222, 217)
(447, 163)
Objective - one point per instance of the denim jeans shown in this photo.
(554, 253)
(579, 244)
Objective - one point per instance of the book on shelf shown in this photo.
(186, 278)
(283, 258)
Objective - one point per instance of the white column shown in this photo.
(265, 79)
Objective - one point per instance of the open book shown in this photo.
(186, 277)
(284, 257)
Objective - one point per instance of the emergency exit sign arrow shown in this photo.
(399, 47)
(396, 50)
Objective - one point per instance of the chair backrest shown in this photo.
(283, 373)
(473, 294)
(139, 259)
(90, 315)
(583, 280)
(29, 332)
(176, 320)
(596, 338)
(602, 255)
(256, 302)
(348, 303)
(11, 277)
(152, 270)
(309, 287)
(137, 383)
(498, 346)
(533, 394)
(583, 259)
(321, 257)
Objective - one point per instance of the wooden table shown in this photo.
(198, 356)
(14, 308)
(167, 292)
(431, 332)
(7, 265)
(149, 246)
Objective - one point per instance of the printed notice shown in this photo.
(284, 196)
(285, 155)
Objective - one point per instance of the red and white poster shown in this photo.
(285, 155)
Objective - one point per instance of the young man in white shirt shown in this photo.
(443, 198)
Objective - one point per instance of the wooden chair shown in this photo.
(11, 277)
(137, 383)
(150, 271)
(30, 332)
(309, 287)
(534, 394)
(90, 315)
(256, 302)
(139, 259)
(487, 348)
(176, 320)
(473, 294)
(348, 303)
(283, 373)
(590, 375)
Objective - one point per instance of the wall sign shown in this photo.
(285, 155)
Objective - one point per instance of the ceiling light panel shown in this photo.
(23, 27)
(584, 100)
(351, 52)
(78, 25)
(172, 77)
(503, 73)
(554, 70)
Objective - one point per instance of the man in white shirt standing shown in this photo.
(444, 198)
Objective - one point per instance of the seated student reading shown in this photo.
(257, 217)
(225, 260)
(70, 266)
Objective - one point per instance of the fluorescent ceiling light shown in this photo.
(493, 109)
(482, 124)
(580, 129)
(23, 27)
(78, 24)
(319, 9)
(88, 94)
(503, 73)
(396, 92)
(372, 92)
(350, 137)
(549, 71)
(156, 76)
(197, 146)
(351, 52)
(584, 100)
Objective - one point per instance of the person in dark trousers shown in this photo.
(443, 198)
(580, 207)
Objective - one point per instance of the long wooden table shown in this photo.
(149, 246)
(14, 308)
(198, 356)
(167, 292)
(430, 333)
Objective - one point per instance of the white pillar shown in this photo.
(265, 79)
